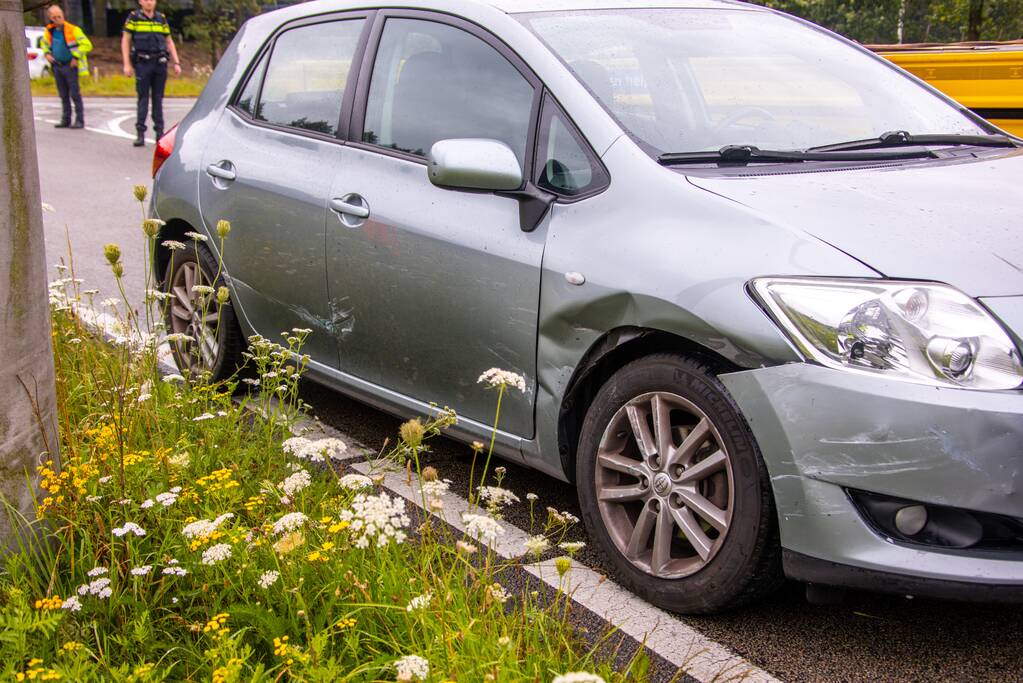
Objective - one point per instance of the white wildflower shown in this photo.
(412, 668)
(216, 553)
(129, 528)
(578, 677)
(142, 571)
(294, 445)
(179, 460)
(173, 245)
(483, 528)
(177, 337)
(204, 416)
(572, 547)
(269, 578)
(110, 302)
(296, 482)
(436, 488)
(329, 447)
(203, 290)
(290, 522)
(536, 544)
(147, 503)
(98, 587)
(377, 516)
(355, 482)
(205, 527)
(497, 593)
(495, 495)
(97, 571)
(173, 377)
(73, 604)
(175, 571)
(495, 377)
(197, 237)
(167, 499)
(105, 479)
(419, 602)
(532, 497)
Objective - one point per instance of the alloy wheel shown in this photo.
(196, 315)
(664, 485)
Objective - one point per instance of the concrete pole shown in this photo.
(28, 404)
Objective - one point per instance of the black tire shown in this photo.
(230, 342)
(746, 564)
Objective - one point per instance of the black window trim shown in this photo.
(341, 133)
(358, 119)
(544, 120)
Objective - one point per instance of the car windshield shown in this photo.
(691, 80)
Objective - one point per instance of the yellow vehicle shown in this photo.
(986, 77)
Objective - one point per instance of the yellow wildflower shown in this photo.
(50, 603)
(216, 623)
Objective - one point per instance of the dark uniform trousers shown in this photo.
(150, 77)
(66, 77)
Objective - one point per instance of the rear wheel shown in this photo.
(210, 340)
(673, 488)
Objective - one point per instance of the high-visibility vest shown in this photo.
(148, 34)
(77, 42)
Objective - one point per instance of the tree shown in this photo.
(216, 21)
(28, 425)
(911, 21)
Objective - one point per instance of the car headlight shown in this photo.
(916, 331)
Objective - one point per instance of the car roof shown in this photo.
(525, 6)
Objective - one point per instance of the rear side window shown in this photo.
(247, 99)
(565, 164)
(307, 75)
(435, 82)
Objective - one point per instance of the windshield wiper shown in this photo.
(901, 138)
(749, 154)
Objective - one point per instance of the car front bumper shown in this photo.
(823, 432)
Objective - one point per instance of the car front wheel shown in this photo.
(673, 488)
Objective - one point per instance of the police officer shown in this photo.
(146, 47)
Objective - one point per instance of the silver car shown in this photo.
(766, 289)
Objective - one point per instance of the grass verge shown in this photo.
(187, 538)
(120, 86)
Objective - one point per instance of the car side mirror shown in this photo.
(474, 164)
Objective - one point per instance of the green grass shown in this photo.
(121, 86)
(126, 582)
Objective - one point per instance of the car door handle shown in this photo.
(218, 171)
(346, 207)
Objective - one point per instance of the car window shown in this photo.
(307, 75)
(247, 98)
(565, 163)
(435, 82)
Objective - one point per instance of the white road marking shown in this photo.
(103, 131)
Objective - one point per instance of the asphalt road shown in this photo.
(87, 176)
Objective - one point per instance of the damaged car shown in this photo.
(765, 288)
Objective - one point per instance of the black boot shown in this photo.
(140, 139)
(62, 124)
(159, 133)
